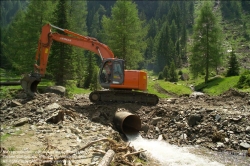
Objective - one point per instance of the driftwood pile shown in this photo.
(117, 153)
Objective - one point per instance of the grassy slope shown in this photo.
(215, 86)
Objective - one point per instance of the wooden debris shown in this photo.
(84, 147)
(108, 157)
(133, 153)
(100, 151)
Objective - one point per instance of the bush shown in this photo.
(165, 73)
(173, 76)
(244, 81)
(160, 77)
(234, 68)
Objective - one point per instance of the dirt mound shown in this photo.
(234, 93)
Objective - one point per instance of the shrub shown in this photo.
(165, 73)
(244, 81)
(160, 77)
(234, 68)
(173, 76)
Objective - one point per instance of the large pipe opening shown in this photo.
(127, 123)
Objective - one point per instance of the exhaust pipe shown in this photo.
(127, 123)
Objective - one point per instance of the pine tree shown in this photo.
(231, 9)
(23, 34)
(149, 56)
(183, 44)
(88, 76)
(173, 76)
(163, 48)
(124, 33)
(77, 16)
(233, 65)
(61, 58)
(173, 32)
(165, 73)
(11, 50)
(206, 42)
(94, 85)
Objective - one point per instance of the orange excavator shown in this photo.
(123, 85)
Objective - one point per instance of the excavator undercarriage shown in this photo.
(123, 96)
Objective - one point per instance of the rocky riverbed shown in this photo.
(57, 125)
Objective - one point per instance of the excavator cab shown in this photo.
(111, 72)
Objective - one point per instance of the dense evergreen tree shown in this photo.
(163, 48)
(10, 47)
(174, 15)
(124, 33)
(61, 58)
(22, 36)
(231, 9)
(183, 44)
(77, 16)
(245, 5)
(165, 73)
(9, 9)
(148, 7)
(206, 42)
(233, 65)
(90, 69)
(95, 80)
(163, 9)
(173, 76)
(173, 32)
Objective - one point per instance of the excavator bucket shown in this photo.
(29, 83)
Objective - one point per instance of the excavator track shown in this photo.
(123, 96)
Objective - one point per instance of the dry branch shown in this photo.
(133, 153)
(84, 147)
(99, 151)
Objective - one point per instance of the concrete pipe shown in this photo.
(127, 123)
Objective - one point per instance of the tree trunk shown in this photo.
(207, 58)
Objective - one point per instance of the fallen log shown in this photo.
(107, 158)
(11, 83)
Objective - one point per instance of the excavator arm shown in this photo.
(47, 37)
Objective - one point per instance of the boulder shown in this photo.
(193, 119)
(15, 103)
(245, 145)
(60, 90)
(21, 121)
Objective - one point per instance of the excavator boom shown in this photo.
(122, 82)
